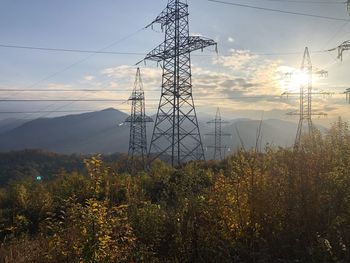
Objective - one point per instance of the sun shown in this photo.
(299, 78)
(292, 82)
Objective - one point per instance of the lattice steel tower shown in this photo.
(138, 120)
(347, 93)
(218, 135)
(305, 112)
(345, 46)
(176, 134)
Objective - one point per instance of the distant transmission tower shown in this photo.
(345, 46)
(218, 136)
(347, 92)
(305, 112)
(176, 134)
(138, 120)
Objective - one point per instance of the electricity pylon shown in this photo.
(341, 48)
(138, 120)
(218, 135)
(345, 46)
(176, 135)
(305, 108)
(347, 92)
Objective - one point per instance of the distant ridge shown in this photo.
(92, 132)
(105, 132)
(10, 124)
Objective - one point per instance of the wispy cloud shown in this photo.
(230, 40)
(250, 83)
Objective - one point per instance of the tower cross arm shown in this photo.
(137, 96)
(324, 93)
(341, 48)
(189, 44)
(297, 113)
(157, 54)
(168, 15)
(320, 72)
(198, 42)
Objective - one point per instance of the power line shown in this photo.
(52, 111)
(138, 53)
(59, 100)
(125, 100)
(70, 50)
(337, 32)
(56, 108)
(77, 63)
(304, 2)
(69, 90)
(286, 53)
(74, 50)
(55, 90)
(279, 11)
(84, 59)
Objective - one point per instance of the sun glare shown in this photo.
(293, 82)
(299, 78)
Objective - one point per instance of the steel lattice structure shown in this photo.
(345, 46)
(176, 135)
(218, 135)
(347, 93)
(305, 111)
(138, 120)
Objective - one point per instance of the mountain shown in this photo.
(100, 131)
(243, 133)
(10, 124)
(105, 132)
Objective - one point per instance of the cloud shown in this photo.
(126, 75)
(240, 73)
(247, 83)
(230, 40)
(196, 34)
(237, 59)
(89, 78)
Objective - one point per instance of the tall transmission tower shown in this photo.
(138, 120)
(176, 135)
(305, 111)
(218, 135)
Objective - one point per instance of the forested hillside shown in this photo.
(33, 163)
(47, 165)
(278, 206)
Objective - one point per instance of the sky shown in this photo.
(252, 60)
